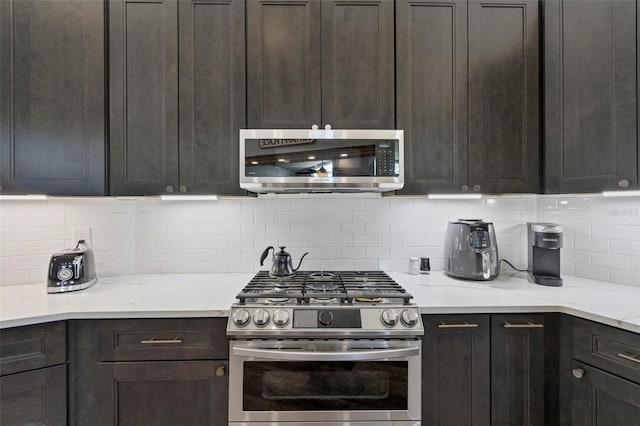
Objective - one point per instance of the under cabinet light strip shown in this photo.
(454, 196)
(621, 193)
(188, 197)
(30, 197)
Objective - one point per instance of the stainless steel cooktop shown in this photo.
(324, 304)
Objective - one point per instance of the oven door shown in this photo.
(331, 381)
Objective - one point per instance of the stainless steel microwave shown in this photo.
(300, 160)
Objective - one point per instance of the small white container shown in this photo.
(414, 265)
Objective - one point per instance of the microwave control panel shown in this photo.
(385, 159)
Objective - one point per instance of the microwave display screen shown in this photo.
(281, 157)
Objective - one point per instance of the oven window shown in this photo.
(322, 386)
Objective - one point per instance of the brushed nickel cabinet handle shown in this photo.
(183, 188)
(463, 325)
(529, 324)
(634, 358)
(161, 341)
(169, 188)
(220, 371)
(464, 188)
(578, 373)
(477, 188)
(623, 183)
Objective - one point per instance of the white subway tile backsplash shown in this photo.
(601, 241)
(591, 272)
(576, 256)
(631, 248)
(363, 216)
(625, 277)
(352, 228)
(599, 245)
(612, 232)
(352, 252)
(15, 277)
(613, 261)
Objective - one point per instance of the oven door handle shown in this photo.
(284, 355)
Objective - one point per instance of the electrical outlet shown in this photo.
(82, 233)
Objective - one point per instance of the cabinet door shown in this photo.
(357, 64)
(283, 63)
(34, 398)
(456, 370)
(431, 67)
(503, 96)
(212, 94)
(143, 52)
(602, 399)
(52, 97)
(517, 370)
(591, 140)
(163, 393)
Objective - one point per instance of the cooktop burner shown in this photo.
(322, 287)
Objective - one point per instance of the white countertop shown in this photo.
(211, 295)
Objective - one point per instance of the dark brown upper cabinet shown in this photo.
(591, 112)
(320, 62)
(52, 136)
(467, 95)
(177, 97)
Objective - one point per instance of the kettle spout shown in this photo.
(264, 255)
(300, 263)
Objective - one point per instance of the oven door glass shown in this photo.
(325, 385)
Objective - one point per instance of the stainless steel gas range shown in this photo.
(324, 348)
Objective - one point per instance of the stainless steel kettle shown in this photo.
(282, 264)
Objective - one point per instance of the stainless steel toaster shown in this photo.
(72, 269)
(471, 250)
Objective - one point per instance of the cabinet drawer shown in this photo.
(613, 350)
(162, 339)
(33, 346)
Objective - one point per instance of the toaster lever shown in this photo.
(77, 266)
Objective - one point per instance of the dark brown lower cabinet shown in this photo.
(456, 370)
(490, 369)
(518, 369)
(602, 399)
(37, 397)
(162, 393)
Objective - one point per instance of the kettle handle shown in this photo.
(264, 255)
(300, 263)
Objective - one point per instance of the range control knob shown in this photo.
(409, 318)
(261, 317)
(325, 317)
(281, 318)
(241, 317)
(389, 317)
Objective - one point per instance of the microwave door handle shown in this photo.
(284, 355)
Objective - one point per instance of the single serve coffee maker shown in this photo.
(544, 243)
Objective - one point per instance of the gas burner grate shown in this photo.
(319, 287)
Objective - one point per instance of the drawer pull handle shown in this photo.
(634, 358)
(161, 341)
(463, 325)
(578, 373)
(220, 371)
(529, 324)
